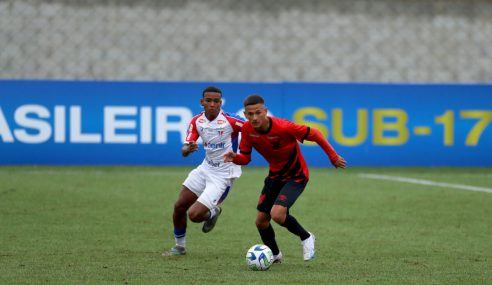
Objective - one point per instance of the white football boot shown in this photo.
(308, 247)
(279, 258)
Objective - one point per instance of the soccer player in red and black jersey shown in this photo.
(277, 141)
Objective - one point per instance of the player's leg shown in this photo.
(192, 188)
(287, 196)
(280, 214)
(265, 229)
(207, 208)
(225, 185)
(185, 200)
(198, 212)
(267, 235)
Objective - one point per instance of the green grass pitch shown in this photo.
(72, 225)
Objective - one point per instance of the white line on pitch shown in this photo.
(425, 182)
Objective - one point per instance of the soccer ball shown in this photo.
(259, 257)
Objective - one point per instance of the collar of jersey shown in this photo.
(269, 127)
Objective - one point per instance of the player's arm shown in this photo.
(188, 148)
(237, 158)
(244, 155)
(190, 144)
(315, 135)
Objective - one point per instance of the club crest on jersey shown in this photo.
(282, 197)
(275, 142)
(201, 120)
(220, 122)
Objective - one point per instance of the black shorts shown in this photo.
(276, 192)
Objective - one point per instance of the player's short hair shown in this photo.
(211, 89)
(253, 100)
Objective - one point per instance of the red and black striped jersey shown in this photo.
(279, 146)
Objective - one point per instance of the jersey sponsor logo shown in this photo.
(213, 164)
(239, 124)
(282, 197)
(214, 145)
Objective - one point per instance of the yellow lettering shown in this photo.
(447, 120)
(300, 118)
(484, 119)
(361, 133)
(400, 118)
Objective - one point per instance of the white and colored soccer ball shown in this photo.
(259, 257)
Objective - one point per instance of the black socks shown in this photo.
(291, 224)
(294, 227)
(268, 238)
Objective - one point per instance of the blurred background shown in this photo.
(219, 40)
(381, 79)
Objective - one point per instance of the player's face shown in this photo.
(257, 116)
(211, 102)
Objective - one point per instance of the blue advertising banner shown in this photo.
(144, 123)
(398, 125)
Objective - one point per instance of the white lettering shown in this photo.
(36, 124)
(60, 124)
(111, 124)
(5, 132)
(163, 126)
(22, 119)
(76, 135)
(146, 125)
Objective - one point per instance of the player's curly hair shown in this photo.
(211, 89)
(253, 100)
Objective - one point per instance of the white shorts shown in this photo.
(210, 189)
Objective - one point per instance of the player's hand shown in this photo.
(229, 157)
(189, 148)
(340, 163)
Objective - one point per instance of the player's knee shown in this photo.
(262, 222)
(278, 217)
(179, 208)
(196, 216)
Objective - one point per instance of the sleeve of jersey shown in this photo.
(300, 132)
(244, 155)
(236, 123)
(315, 136)
(242, 159)
(192, 134)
